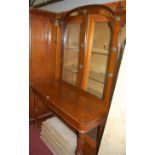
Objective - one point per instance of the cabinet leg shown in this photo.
(100, 130)
(35, 113)
(80, 144)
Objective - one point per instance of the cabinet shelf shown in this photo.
(90, 78)
(73, 48)
(97, 77)
(72, 69)
(99, 51)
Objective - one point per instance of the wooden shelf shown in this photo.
(72, 69)
(99, 51)
(73, 48)
(96, 83)
(98, 77)
(102, 82)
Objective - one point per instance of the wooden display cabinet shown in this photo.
(86, 49)
(82, 61)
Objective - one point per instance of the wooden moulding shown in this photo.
(117, 6)
(90, 9)
(112, 6)
(42, 12)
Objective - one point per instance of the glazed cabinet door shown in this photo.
(98, 44)
(88, 60)
(72, 40)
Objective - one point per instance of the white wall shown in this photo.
(114, 138)
(70, 4)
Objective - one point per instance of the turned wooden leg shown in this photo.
(100, 130)
(35, 113)
(80, 144)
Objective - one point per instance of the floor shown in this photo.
(36, 145)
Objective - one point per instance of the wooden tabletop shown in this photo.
(77, 108)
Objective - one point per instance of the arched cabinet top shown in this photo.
(89, 10)
(89, 45)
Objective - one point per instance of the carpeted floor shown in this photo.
(37, 147)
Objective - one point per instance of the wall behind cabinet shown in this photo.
(114, 138)
(42, 53)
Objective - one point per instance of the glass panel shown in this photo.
(122, 37)
(99, 57)
(71, 53)
(123, 34)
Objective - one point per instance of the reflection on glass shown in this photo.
(122, 37)
(99, 57)
(71, 53)
(75, 13)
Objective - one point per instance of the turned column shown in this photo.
(80, 144)
(100, 130)
(112, 61)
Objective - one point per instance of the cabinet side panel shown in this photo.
(42, 56)
(42, 61)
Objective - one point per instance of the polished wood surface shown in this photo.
(41, 12)
(112, 60)
(77, 108)
(83, 111)
(117, 6)
(90, 26)
(80, 144)
(41, 50)
(42, 54)
(89, 147)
